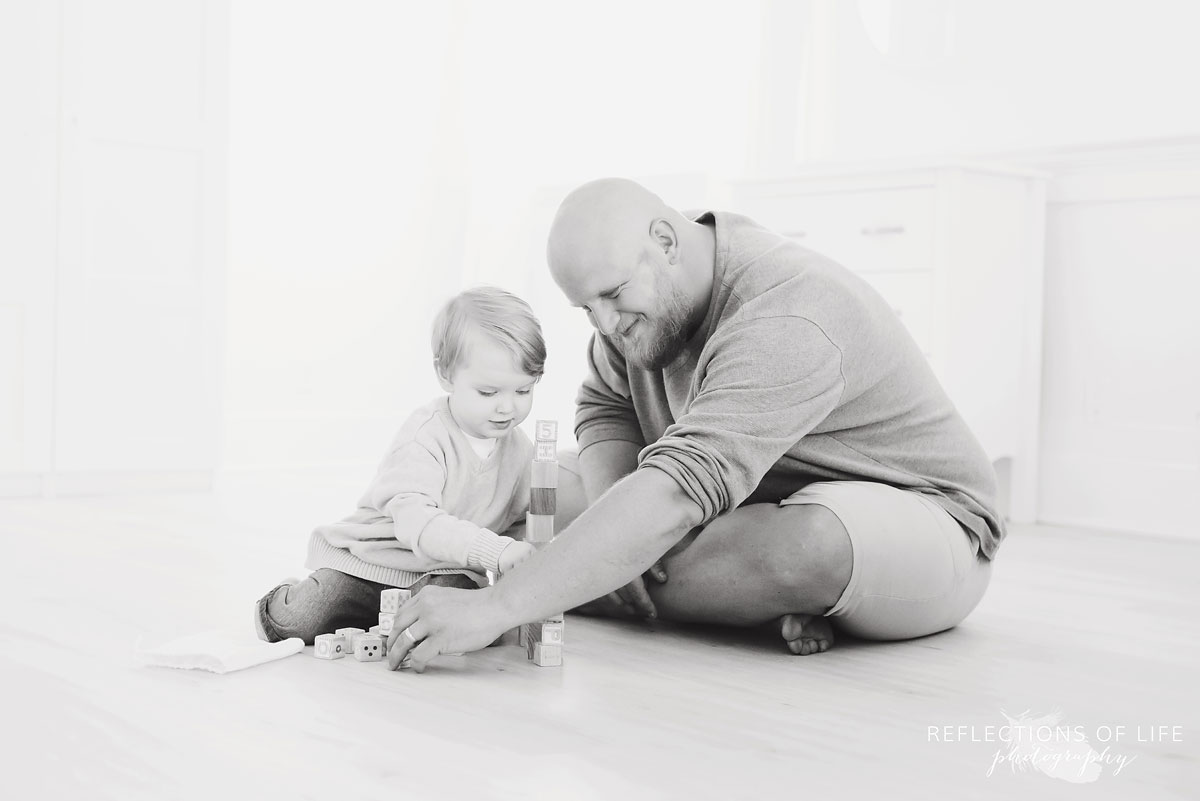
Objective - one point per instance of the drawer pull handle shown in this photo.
(883, 230)
(795, 234)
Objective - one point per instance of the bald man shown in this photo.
(758, 422)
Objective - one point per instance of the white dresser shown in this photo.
(957, 249)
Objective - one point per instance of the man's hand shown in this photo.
(631, 601)
(443, 620)
(514, 554)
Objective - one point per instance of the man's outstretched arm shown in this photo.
(611, 543)
(601, 465)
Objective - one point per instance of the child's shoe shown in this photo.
(260, 607)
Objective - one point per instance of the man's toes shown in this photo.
(806, 634)
(792, 626)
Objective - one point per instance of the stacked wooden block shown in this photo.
(543, 639)
(543, 484)
(367, 646)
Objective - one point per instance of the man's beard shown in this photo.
(660, 341)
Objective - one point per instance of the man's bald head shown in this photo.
(603, 222)
(641, 270)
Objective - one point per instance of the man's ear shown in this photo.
(442, 379)
(663, 234)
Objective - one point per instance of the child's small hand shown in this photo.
(514, 554)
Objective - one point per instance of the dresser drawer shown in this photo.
(885, 230)
(911, 296)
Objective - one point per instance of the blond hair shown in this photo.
(495, 313)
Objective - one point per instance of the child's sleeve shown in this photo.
(409, 489)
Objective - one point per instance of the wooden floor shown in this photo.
(1098, 626)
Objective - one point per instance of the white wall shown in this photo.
(388, 154)
(110, 293)
(968, 76)
(384, 155)
(343, 174)
(1121, 410)
(29, 82)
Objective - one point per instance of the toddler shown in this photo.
(455, 475)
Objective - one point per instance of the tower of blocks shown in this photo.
(367, 646)
(543, 639)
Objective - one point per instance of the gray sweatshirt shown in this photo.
(800, 372)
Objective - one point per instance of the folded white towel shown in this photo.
(217, 651)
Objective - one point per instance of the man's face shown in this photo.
(635, 307)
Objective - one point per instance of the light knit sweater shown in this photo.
(434, 506)
(800, 372)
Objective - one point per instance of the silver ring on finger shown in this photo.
(407, 633)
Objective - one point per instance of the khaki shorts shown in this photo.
(916, 571)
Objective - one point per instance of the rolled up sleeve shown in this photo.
(766, 384)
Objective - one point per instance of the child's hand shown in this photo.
(514, 554)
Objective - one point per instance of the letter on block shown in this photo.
(552, 633)
(391, 600)
(368, 648)
(329, 646)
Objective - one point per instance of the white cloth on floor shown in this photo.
(217, 651)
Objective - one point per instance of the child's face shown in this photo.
(489, 393)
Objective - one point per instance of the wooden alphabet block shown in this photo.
(546, 655)
(375, 630)
(368, 648)
(386, 619)
(546, 430)
(539, 528)
(546, 632)
(545, 451)
(545, 474)
(391, 600)
(329, 646)
(349, 633)
(552, 633)
(542, 501)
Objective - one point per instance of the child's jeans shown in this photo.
(328, 600)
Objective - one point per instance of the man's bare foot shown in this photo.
(806, 634)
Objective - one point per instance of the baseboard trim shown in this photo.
(104, 482)
(21, 485)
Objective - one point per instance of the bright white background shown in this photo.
(226, 227)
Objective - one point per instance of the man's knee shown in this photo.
(815, 555)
